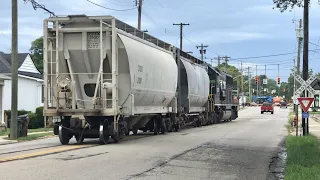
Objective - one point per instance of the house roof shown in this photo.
(316, 84)
(5, 65)
(29, 74)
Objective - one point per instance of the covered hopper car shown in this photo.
(104, 78)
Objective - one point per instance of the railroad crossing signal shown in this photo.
(305, 103)
(305, 85)
(278, 80)
(257, 79)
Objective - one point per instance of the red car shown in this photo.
(267, 107)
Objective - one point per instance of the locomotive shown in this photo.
(104, 78)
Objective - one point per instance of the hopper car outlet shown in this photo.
(105, 78)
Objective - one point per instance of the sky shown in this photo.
(229, 28)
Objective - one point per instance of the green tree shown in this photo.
(283, 5)
(233, 71)
(36, 52)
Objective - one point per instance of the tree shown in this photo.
(36, 52)
(283, 5)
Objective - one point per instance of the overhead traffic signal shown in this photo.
(257, 79)
(278, 80)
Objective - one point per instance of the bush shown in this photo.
(36, 119)
(20, 112)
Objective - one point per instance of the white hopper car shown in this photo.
(104, 78)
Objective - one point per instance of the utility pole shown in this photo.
(139, 13)
(305, 53)
(300, 38)
(242, 85)
(249, 83)
(226, 61)
(295, 107)
(265, 86)
(202, 50)
(218, 60)
(14, 72)
(181, 29)
(258, 80)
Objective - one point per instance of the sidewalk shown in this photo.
(6, 141)
(314, 125)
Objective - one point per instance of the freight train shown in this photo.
(104, 78)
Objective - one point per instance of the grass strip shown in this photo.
(7, 131)
(34, 136)
(303, 158)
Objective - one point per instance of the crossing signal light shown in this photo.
(256, 78)
(278, 80)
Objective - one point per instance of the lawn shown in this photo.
(34, 136)
(6, 132)
(303, 158)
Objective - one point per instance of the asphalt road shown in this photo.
(241, 149)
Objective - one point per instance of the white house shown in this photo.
(30, 84)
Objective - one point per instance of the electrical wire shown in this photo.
(111, 8)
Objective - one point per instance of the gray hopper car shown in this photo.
(104, 78)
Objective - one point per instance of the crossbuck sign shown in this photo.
(305, 85)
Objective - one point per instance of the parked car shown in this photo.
(267, 107)
(283, 105)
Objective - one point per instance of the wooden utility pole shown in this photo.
(226, 61)
(14, 72)
(249, 83)
(202, 50)
(297, 69)
(181, 31)
(241, 84)
(305, 55)
(139, 13)
(258, 80)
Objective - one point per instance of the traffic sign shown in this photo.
(305, 85)
(265, 81)
(305, 103)
(295, 100)
(305, 115)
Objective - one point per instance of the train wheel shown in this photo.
(169, 125)
(155, 127)
(104, 132)
(163, 126)
(64, 133)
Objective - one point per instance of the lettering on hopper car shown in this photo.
(140, 68)
(139, 80)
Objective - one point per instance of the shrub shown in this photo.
(36, 119)
(20, 112)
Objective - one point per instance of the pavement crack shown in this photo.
(165, 162)
(73, 157)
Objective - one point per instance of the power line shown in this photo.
(111, 8)
(271, 55)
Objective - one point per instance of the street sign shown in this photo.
(305, 85)
(265, 81)
(305, 115)
(305, 103)
(295, 100)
